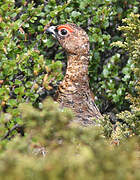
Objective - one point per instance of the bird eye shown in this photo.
(63, 32)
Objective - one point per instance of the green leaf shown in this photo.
(105, 72)
(49, 43)
(18, 82)
(75, 14)
(12, 102)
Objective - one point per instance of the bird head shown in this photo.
(71, 37)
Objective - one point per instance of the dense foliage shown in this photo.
(53, 150)
(132, 46)
(31, 66)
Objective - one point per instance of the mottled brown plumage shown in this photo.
(74, 91)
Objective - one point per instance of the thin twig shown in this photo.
(17, 127)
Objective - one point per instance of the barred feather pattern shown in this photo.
(74, 91)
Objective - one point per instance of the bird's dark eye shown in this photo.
(63, 32)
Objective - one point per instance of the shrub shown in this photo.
(30, 61)
(53, 149)
(131, 31)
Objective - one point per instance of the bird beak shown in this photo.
(52, 30)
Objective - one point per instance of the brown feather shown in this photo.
(74, 91)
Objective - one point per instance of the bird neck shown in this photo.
(77, 68)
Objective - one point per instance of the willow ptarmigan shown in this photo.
(74, 91)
